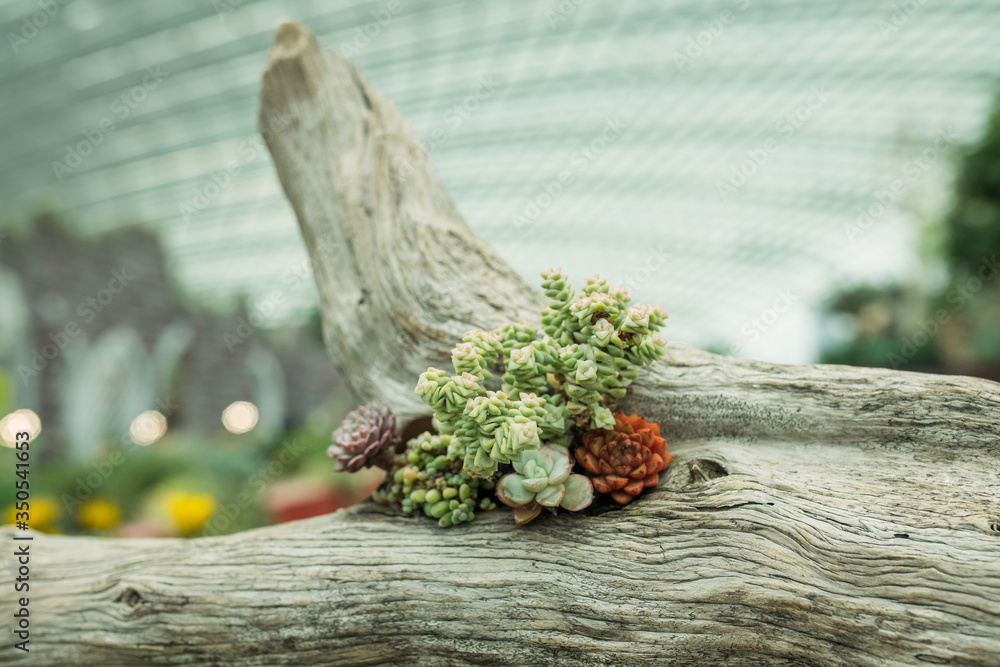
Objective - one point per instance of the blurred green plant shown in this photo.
(6, 392)
(952, 327)
(972, 227)
(128, 485)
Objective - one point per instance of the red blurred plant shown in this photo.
(625, 460)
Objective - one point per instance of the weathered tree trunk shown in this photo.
(812, 515)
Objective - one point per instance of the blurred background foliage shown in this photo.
(159, 332)
(184, 485)
(948, 319)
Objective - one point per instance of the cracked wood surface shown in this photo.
(819, 515)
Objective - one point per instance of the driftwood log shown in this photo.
(820, 515)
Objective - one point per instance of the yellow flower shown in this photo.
(190, 511)
(42, 512)
(99, 514)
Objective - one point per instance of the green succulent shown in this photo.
(544, 478)
(430, 476)
(569, 372)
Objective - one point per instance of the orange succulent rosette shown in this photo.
(625, 460)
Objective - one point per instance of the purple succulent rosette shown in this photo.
(366, 438)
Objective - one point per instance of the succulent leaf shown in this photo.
(579, 493)
(526, 513)
(535, 484)
(511, 490)
(550, 496)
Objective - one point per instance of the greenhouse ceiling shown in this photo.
(714, 157)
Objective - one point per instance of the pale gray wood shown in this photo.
(400, 275)
(813, 514)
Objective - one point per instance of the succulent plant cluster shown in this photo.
(430, 477)
(570, 372)
(520, 397)
(429, 474)
(626, 459)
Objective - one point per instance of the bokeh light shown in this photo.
(16, 422)
(147, 428)
(239, 417)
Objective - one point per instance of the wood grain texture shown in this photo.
(813, 515)
(798, 554)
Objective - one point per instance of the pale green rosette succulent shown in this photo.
(544, 478)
